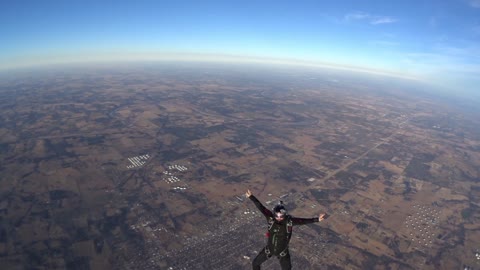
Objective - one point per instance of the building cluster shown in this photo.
(177, 167)
(171, 178)
(422, 224)
(249, 212)
(138, 161)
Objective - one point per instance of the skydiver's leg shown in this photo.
(285, 262)
(261, 258)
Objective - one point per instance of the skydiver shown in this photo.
(280, 226)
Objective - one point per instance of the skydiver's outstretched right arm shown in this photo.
(265, 211)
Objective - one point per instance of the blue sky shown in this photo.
(436, 41)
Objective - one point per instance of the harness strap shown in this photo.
(289, 235)
(289, 227)
(270, 223)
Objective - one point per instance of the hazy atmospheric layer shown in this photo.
(433, 41)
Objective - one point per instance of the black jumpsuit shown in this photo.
(278, 238)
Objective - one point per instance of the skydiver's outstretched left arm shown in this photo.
(303, 221)
(265, 211)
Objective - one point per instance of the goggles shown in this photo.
(279, 215)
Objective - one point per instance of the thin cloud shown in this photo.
(372, 19)
(475, 3)
(383, 20)
(445, 59)
(357, 16)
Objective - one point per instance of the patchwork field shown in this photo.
(146, 167)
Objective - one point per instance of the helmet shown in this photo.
(279, 210)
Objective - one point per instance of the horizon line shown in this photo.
(96, 58)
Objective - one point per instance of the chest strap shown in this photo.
(289, 227)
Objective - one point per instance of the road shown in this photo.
(352, 161)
